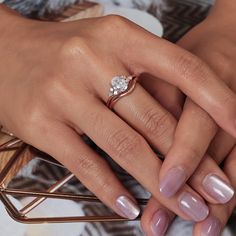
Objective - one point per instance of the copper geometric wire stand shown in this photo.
(19, 154)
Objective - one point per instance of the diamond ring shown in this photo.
(120, 86)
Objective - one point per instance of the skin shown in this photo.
(41, 70)
(214, 42)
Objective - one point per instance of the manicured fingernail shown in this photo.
(127, 207)
(211, 227)
(173, 181)
(159, 223)
(193, 206)
(218, 188)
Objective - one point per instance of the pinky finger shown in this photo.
(156, 219)
(219, 214)
(92, 170)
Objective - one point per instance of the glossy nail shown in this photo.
(217, 188)
(211, 227)
(159, 223)
(193, 206)
(127, 208)
(172, 181)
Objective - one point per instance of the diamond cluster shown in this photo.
(119, 84)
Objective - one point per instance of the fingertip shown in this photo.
(160, 222)
(157, 224)
(127, 208)
(218, 189)
(156, 219)
(193, 206)
(211, 226)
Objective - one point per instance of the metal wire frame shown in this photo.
(19, 148)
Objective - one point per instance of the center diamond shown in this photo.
(119, 84)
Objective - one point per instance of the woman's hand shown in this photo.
(214, 42)
(54, 82)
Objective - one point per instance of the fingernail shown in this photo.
(211, 227)
(193, 206)
(127, 207)
(159, 223)
(218, 188)
(173, 181)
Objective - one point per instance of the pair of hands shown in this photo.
(54, 82)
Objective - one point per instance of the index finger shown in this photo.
(190, 74)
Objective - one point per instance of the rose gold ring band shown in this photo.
(120, 87)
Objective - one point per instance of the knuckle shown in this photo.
(125, 144)
(75, 48)
(37, 122)
(55, 87)
(158, 124)
(115, 22)
(84, 164)
(191, 67)
(115, 26)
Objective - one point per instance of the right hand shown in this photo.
(54, 80)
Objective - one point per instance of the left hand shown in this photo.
(214, 43)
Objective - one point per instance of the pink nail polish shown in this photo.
(159, 223)
(217, 188)
(127, 208)
(211, 227)
(193, 206)
(173, 181)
